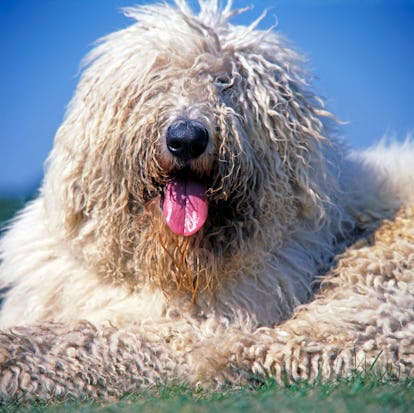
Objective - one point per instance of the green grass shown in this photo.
(8, 207)
(358, 394)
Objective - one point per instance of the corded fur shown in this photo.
(303, 270)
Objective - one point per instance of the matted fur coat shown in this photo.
(198, 223)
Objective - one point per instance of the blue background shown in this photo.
(361, 51)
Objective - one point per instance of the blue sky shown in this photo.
(362, 52)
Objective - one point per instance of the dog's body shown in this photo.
(191, 203)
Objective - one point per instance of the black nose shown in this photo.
(187, 139)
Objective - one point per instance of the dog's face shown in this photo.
(188, 131)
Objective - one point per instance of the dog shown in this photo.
(198, 222)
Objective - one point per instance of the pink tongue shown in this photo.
(185, 206)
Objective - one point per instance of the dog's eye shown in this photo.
(224, 82)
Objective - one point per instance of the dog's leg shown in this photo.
(362, 320)
(57, 361)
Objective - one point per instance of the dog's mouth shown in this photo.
(184, 204)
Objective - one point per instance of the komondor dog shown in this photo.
(199, 223)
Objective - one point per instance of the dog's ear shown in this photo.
(75, 197)
(64, 190)
(289, 118)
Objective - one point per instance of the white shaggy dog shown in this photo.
(192, 200)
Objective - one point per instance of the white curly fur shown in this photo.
(98, 287)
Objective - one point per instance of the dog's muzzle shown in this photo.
(187, 139)
(184, 200)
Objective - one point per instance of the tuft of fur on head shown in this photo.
(264, 165)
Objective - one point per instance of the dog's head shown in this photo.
(188, 131)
